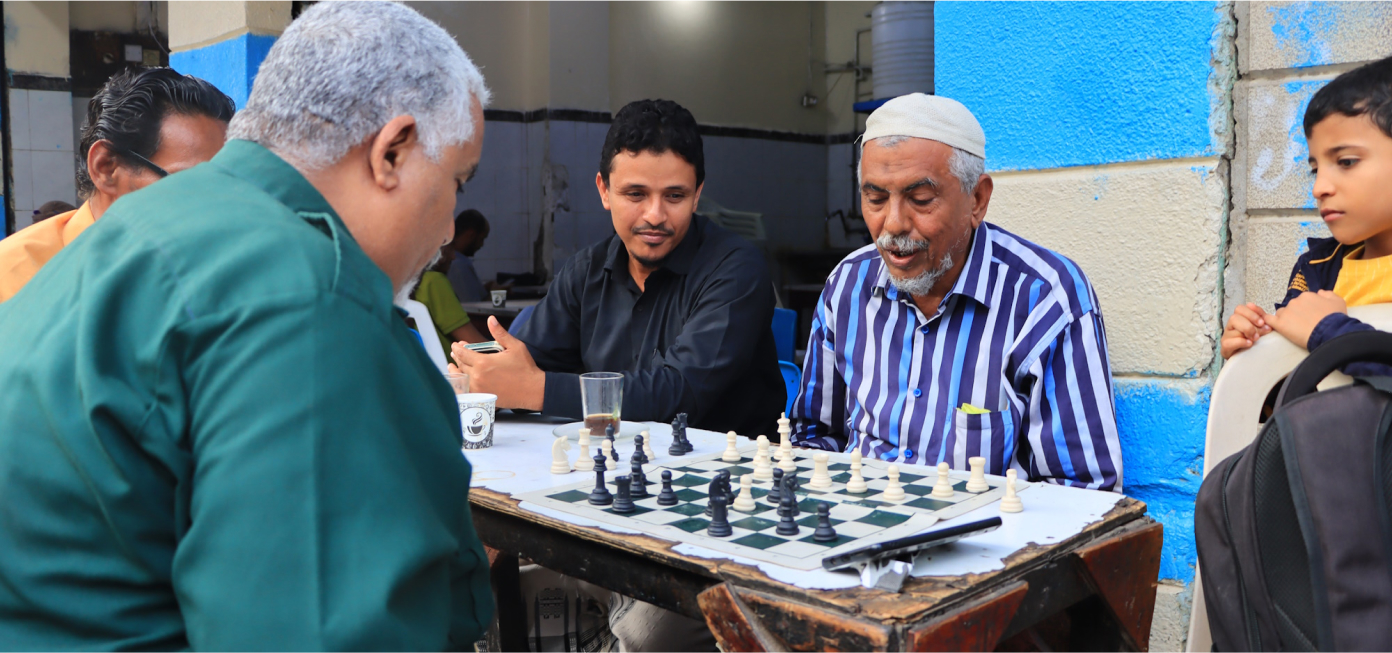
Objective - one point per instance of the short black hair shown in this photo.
(131, 106)
(1364, 90)
(654, 126)
(470, 220)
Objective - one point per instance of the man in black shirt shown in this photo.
(680, 306)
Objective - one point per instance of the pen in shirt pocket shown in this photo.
(973, 410)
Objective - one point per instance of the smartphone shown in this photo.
(490, 347)
(909, 545)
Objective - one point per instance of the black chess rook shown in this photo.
(667, 497)
(623, 501)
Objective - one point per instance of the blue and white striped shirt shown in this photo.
(1020, 335)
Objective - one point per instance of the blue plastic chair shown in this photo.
(792, 379)
(784, 332)
(521, 318)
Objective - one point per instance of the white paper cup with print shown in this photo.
(499, 298)
(476, 418)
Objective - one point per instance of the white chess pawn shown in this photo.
(977, 482)
(647, 446)
(606, 446)
(786, 461)
(1011, 502)
(745, 501)
(857, 483)
(732, 454)
(894, 491)
(559, 463)
(584, 463)
(763, 466)
(943, 488)
(820, 478)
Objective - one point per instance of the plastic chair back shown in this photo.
(792, 380)
(522, 317)
(784, 332)
(426, 329)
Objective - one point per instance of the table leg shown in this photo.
(1124, 571)
(745, 620)
(977, 627)
(507, 589)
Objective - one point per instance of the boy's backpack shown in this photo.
(1294, 532)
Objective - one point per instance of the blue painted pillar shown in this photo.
(224, 42)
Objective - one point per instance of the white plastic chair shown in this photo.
(1235, 408)
(426, 327)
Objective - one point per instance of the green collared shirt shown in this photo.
(215, 432)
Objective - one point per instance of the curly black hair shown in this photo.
(654, 126)
(1363, 90)
(131, 106)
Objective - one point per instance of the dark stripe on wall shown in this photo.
(604, 117)
(40, 82)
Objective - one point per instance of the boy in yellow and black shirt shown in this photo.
(1349, 129)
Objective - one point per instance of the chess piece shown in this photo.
(584, 463)
(720, 516)
(943, 488)
(773, 495)
(1011, 502)
(648, 454)
(745, 501)
(600, 496)
(824, 532)
(613, 449)
(718, 485)
(607, 447)
(977, 482)
(686, 442)
(667, 497)
(785, 428)
(786, 461)
(640, 455)
(786, 525)
(895, 491)
(820, 478)
(560, 463)
(732, 454)
(857, 483)
(790, 488)
(763, 467)
(623, 499)
(677, 448)
(639, 489)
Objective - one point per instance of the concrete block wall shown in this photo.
(1286, 52)
(1109, 134)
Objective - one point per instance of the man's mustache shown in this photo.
(901, 244)
(648, 229)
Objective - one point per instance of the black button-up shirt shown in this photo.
(697, 340)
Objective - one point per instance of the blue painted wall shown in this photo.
(1059, 84)
(230, 65)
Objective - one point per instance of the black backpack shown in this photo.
(1294, 532)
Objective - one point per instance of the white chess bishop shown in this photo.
(857, 483)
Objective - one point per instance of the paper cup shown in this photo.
(476, 419)
(499, 298)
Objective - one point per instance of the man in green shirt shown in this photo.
(215, 430)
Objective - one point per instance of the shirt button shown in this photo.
(918, 392)
(908, 454)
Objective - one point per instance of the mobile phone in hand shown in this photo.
(490, 347)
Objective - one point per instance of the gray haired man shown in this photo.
(216, 432)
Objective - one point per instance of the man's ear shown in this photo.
(603, 189)
(102, 167)
(390, 148)
(981, 197)
(696, 199)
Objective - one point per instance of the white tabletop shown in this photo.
(520, 462)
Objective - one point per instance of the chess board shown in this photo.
(859, 519)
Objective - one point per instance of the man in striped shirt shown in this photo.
(950, 337)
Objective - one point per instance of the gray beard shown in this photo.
(922, 283)
(404, 292)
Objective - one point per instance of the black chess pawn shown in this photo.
(638, 455)
(623, 500)
(600, 495)
(720, 517)
(774, 491)
(613, 445)
(677, 448)
(824, 532)
(786, 525)
(667, 497)
(640, 481)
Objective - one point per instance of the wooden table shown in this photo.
(505, 314)
(1088, 586)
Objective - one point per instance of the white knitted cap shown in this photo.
(933, 117)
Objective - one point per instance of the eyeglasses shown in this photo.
(137, 158)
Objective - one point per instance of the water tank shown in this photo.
(902, 47)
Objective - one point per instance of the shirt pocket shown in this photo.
(979, 431)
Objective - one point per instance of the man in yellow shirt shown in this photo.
(141, 126)
(434, 290)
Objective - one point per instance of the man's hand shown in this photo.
(510, 374)
(1298, 319)
(1247, 324)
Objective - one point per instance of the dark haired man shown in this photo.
(678, 305)
(141, 126)
(470, 230)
